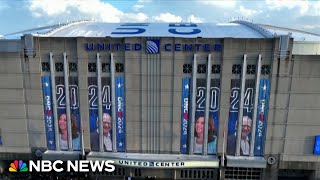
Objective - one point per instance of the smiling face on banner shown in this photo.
(107, 123)
(214, 105)
(246, 119)
(246, 127)
(106, 113)
(74, 113)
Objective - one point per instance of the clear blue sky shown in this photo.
(21, 15)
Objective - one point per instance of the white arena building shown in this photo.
(235, 100)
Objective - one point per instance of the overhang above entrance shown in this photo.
(157, 160)
(246, 162)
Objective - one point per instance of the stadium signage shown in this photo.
(103, 46)
(173, 28)
(165, 164)
(153, 45)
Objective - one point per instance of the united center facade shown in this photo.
(158, 92)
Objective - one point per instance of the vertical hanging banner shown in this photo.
(75, 114)
(120, 114)
(213, 122)
(62, 116)
(263, 105)
(93, 109)
(233, 114)
(94, 114)
(48, 112)
(246, 119)
(61, 110)
(185, 115)
(0, 137)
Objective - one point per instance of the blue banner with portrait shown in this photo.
(94, 114)
(246, 119)
(234, 107)
(74, 113)
(263, 104)
(120, 114)
(93, 108)
(48, 112)
(185, 104)
(213, 123)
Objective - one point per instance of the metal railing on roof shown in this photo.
(51, 29)
(61, 26)
(265, 32)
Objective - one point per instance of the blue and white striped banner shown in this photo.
(120, 114)
(48, 112)
(185, 115)
(262, 117)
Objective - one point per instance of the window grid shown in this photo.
(265, 69)
(242, 173)
(45, 66)
(73, 67)
(236, 69)
(105, 67)
(119, 67)
(215, 69)
(59, 67)
(92, 67)
(198, 174)
(187, 68)
(202, 68)
(251, 69)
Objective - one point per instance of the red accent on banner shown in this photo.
(185, 115)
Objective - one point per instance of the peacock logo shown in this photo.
(18, 166)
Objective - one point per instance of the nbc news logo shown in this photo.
(153, 46)
(18, 166)
(57, 166)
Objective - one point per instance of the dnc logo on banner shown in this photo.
(153, 46)
(18, 166)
